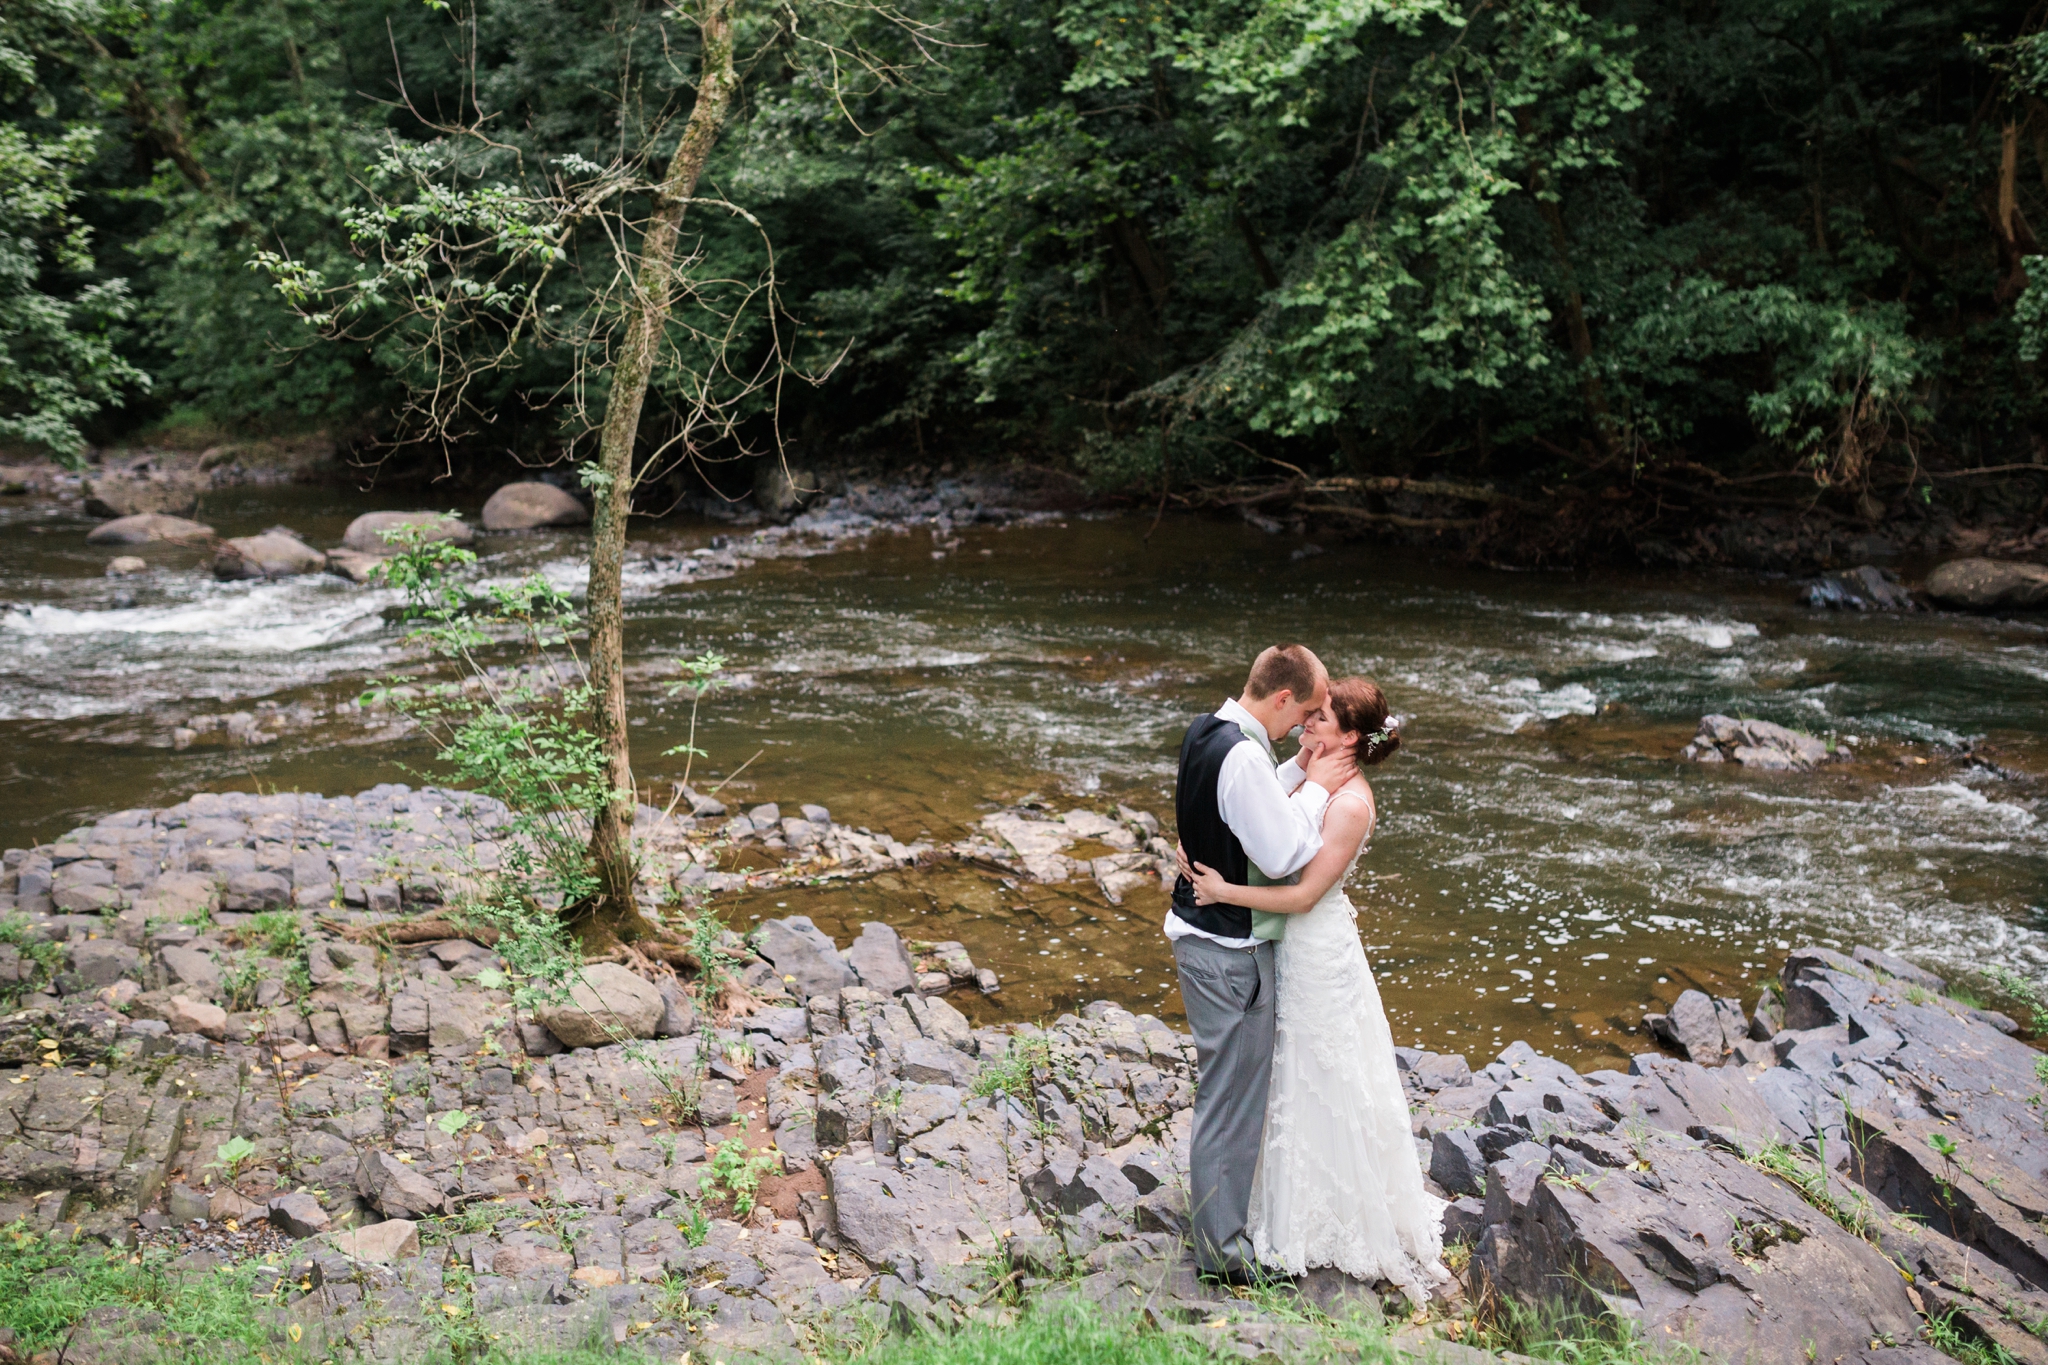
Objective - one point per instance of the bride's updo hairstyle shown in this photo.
(1360, 709)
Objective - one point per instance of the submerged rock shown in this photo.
(274, 554)
(356, 566)
(1988, 584)
(1867, 588)
(1755, 744)
(366, 532)
(145, 527)
(531, 506)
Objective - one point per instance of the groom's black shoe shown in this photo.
(1247, 1277)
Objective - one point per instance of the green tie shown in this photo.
(1265, 924)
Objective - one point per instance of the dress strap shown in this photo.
(1372, 808)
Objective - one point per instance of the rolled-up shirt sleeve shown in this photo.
(1279, 835)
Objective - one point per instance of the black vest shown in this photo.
(1202, 832)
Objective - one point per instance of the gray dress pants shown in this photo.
(1229, 996)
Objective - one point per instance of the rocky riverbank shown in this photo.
(209, 1052)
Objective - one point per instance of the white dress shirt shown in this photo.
(1279, 834)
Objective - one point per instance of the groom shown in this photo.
(1234, 816)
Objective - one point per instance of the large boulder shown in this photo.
(274, 554)
(128, 495)
(366, 533)
(1988, 584)
(1754, 744)
(531, 506)
(145, 527)
(804, 957)
(608, 1004)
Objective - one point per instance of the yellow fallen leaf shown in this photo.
(295, 1331)
(453, 1310)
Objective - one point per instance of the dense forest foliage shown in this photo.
(1698, 241)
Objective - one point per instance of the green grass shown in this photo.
(1562, 1335)
(1069, 1332)
(1944, 1336)
(46, 1286)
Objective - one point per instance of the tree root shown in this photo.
(432, 930)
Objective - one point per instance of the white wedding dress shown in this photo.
(1339, 1182)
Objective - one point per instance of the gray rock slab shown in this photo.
(804, 956)
(881, 961)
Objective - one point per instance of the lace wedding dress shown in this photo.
(1339, 1183)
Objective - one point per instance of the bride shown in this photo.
(1338, 1183)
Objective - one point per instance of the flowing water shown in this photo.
(1545, 866)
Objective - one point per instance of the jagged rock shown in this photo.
(716, 1103)
(228, 1203)
(804, 957)
(299, 1215)
(530, 506)
(274, 554)
(189, 967)
(941, 1023)
(1754, 744)
(378, 1243)
(1972, 1194)
(1069, 1185)
(607, 1004)
(185, 1015)
(880, 961)
(940, 1212)
(103, 961)
(395, 1189)
(366, 533)
(1866, 588)
(926, 1061)
(679, 1015)
(146, 527)
(1898, 969)
(1701, 1248)
(1702, 1028)
(1988, 584)
(1455, 1161)
(256, 891)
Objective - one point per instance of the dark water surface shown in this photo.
(1545, 866)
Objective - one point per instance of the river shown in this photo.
(1545, 866)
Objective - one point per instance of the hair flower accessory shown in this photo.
(1390, 728)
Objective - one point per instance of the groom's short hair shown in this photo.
(1292, 667)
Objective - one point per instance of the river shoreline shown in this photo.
(1515, 529)
(920, 1169)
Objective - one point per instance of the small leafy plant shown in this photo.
(699, 678)
(229, 1156)
(735, 1172)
